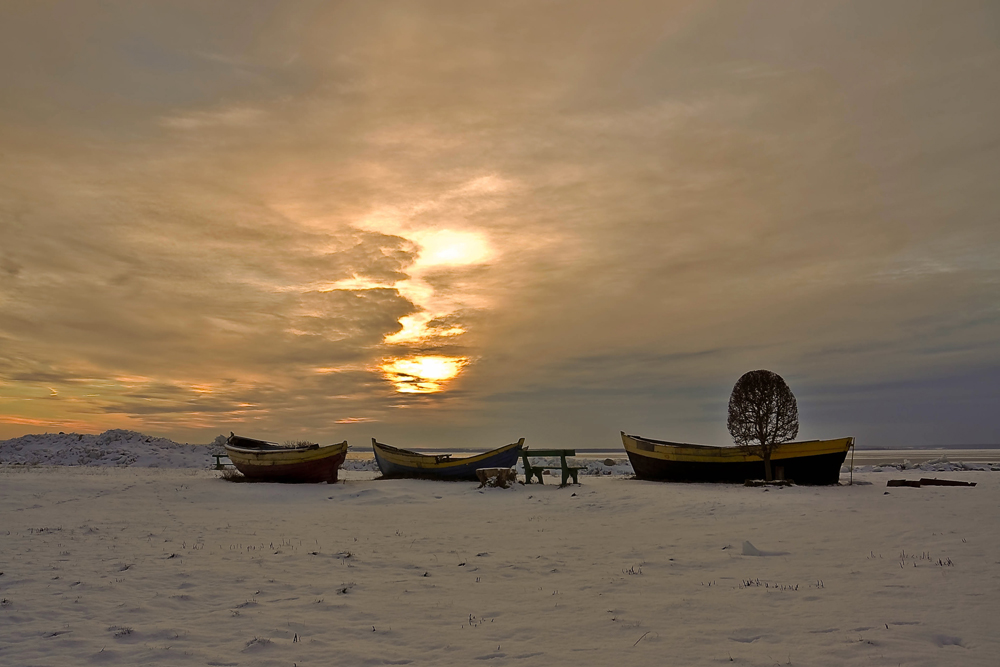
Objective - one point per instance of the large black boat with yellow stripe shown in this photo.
(806, 462)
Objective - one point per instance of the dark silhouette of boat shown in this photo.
(806, 462)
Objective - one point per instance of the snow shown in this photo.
(937, 465)
(588, 466)
(145, 556)
(117, 447)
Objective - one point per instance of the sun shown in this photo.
(422, 374)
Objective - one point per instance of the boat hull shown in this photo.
(290, 465)
(396, 463)
(809, 462)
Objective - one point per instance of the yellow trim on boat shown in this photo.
(276, 457)
(425, 461)
(707, 454)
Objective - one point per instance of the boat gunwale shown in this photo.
(671, 451)
(670, 443)
(282, 449)
(434, 462)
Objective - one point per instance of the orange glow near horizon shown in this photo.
(32, 421)
(422, 374)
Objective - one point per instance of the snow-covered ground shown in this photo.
(128, 565)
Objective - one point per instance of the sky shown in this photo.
(454, 224)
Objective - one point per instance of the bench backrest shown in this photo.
(525, 452)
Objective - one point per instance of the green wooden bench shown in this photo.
(530, 470)
(219, 465)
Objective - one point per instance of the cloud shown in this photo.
(241, 117)
(613, 212)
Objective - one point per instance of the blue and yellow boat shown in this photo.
(396, 462)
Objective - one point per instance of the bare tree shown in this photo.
(762, 414)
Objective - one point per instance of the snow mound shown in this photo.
(114, 448)
(620, 467)
(366, 465)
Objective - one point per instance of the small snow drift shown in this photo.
(947, 640)
(751, 550)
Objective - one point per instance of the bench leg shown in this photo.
(567, 473)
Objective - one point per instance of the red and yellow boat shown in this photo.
(301, 463)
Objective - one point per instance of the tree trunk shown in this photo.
(767, 466)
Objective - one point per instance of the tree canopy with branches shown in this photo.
(762, 415)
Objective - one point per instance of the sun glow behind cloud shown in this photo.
(415, 329)
(439, 227)
(422, 374)
(448, 247)
(439, 249)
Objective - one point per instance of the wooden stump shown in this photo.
(496, 477)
